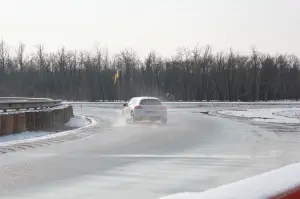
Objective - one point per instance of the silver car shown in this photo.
(145, 108)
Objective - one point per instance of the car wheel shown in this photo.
(133, 119)
(127, 120)
(164, 120)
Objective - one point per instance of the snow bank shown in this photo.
(266, 185)
(274, 115)
(80, 122)
(22, 136)
(294, 113)
(77, 122)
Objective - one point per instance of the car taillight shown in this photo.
(137, 107)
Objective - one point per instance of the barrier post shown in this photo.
(38, 121)
(19, 122)
(7, 124)
(30, 120)
(0, 125)
(48, 120)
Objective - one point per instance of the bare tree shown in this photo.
(195, 74)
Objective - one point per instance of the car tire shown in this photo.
(164, 120)
(127, 120)
(133, 120)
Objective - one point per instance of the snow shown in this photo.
(22, 136)
(294, 113)
(26, 137)
(274, 115)
(266, 185)
(77, 122)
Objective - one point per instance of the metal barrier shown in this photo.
(16, 103)
(22, 99)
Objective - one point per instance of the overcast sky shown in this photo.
(161, 25)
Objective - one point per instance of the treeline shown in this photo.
(195, 74)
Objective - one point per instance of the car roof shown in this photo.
(145, 97)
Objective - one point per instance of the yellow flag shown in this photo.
(116, 77)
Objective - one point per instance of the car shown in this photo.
(145, 108)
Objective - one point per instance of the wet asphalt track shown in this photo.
(111, 159)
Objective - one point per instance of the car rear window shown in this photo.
(132, 101)
(150, 102)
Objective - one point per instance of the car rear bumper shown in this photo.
(141, 114)
(148, 118)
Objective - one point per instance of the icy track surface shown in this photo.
(266, 185)
(272, 115)
(194, 152)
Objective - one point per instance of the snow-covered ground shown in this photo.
(290, 113)
(274, 115)
(22, 136)
(75, 122)
(266, 185)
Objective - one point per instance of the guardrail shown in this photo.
(47, 114)
(22, 98)
(16, 103)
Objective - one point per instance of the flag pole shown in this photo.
(116, 77)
